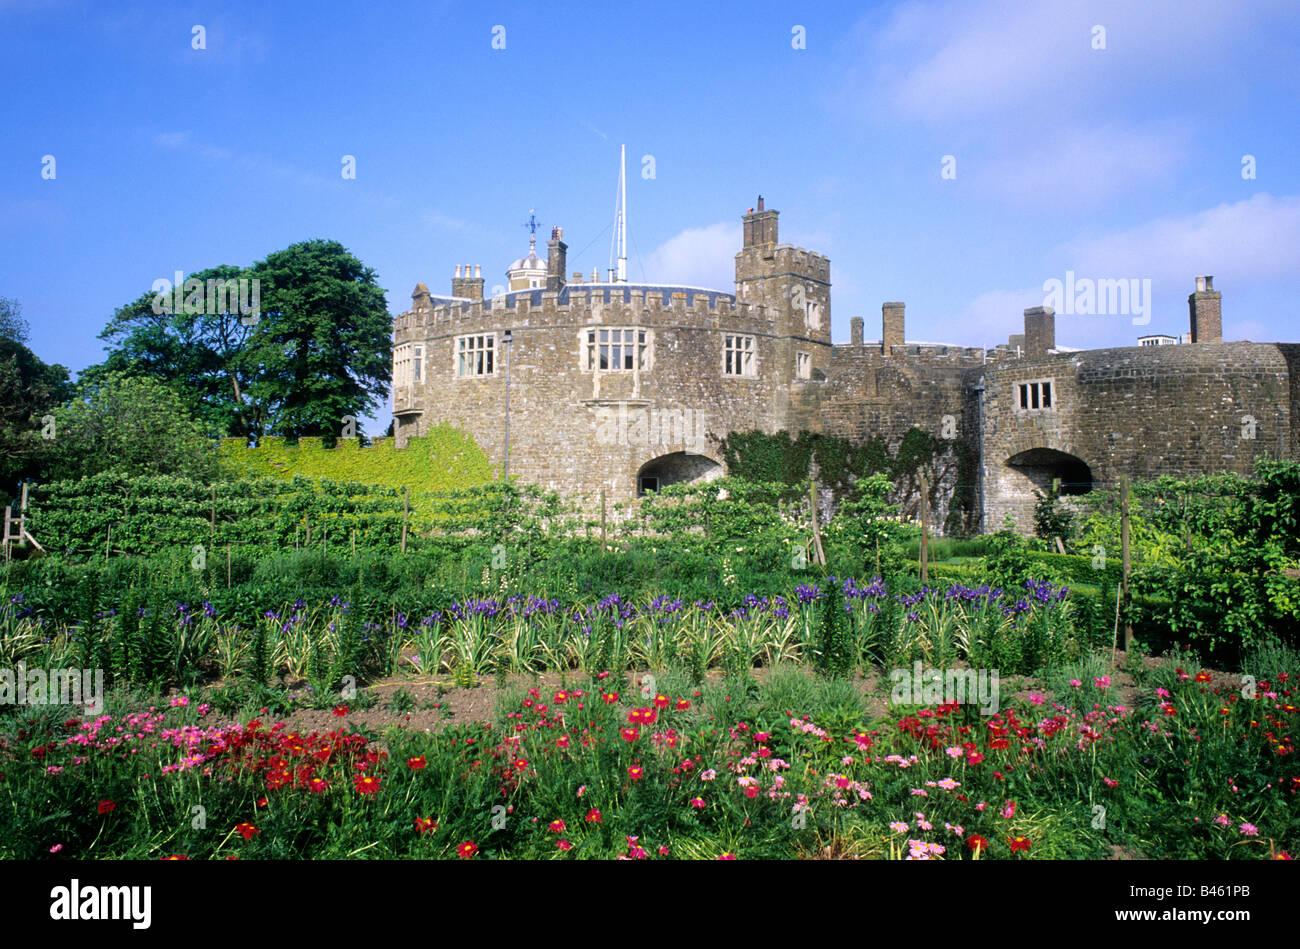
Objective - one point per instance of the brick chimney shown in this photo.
(467, 287)
(1206, 312)
(556, 258)
(760, 226)
(891, 327)
(1040, 331)
(855, 332)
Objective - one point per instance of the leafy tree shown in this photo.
(323, 347)
(318, 350)
(28, 389)
(201, 356)
(129, 425)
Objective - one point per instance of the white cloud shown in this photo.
(958, 59)
(697, 257)
(1250, 240)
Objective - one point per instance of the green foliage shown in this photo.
(836, 654)
(28, 390)
(1050, 518)
(129, 427)
(317, 351)
(1008, 564)
(444, 459)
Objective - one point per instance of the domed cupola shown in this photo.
(527, 273)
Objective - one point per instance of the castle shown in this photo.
(622, 387)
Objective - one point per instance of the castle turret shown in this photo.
(1206, 314)
(855, 332)
(795, 284)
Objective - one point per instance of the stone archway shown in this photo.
(677, 467)
(1018, 480)
(1041, 466)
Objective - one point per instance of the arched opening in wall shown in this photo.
(1042, 466)
(676, 468)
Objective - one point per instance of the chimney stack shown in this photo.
(467, 287)
(891, 327)
(760, 226)
(1206, 312)
(855, 332)
(556, 259)
(1040, 331)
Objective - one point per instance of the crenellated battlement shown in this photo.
(686, 307)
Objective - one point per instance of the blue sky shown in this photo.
(1116, 163)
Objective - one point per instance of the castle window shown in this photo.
(616, 349)
(418, 367)
(1035, 396)
(803, 365)
(738, 356)
(402, 365)
(475, 355)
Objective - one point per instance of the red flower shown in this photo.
(562, 741)
(366, 783)
(521, 764)
(662, 701)
(561, 697)
(726, 856)
(976, 842)
(106, 806)
(696, 802)
(1203, 677)
(635, 773)
(593, 816)
(423, 824)
(341, 710)
(415, 764)
(177, 856)
(1018, 843)
(563, 845)
(467, 850)
(246, 830)
(610, 697)
(683, 704)
(557, 826)
(317, 785)
(630, 734)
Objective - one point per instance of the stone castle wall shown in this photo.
(1141, 411)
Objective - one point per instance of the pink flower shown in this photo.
(1036, 698)
(1076, 683)
(1250, 830)
(697, 802)
(1222, 819)
(1102, 682)
(1010, 810)
(56, 848)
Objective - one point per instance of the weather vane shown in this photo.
(531, 223)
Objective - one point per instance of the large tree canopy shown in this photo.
(28, 390)
(317, 348)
